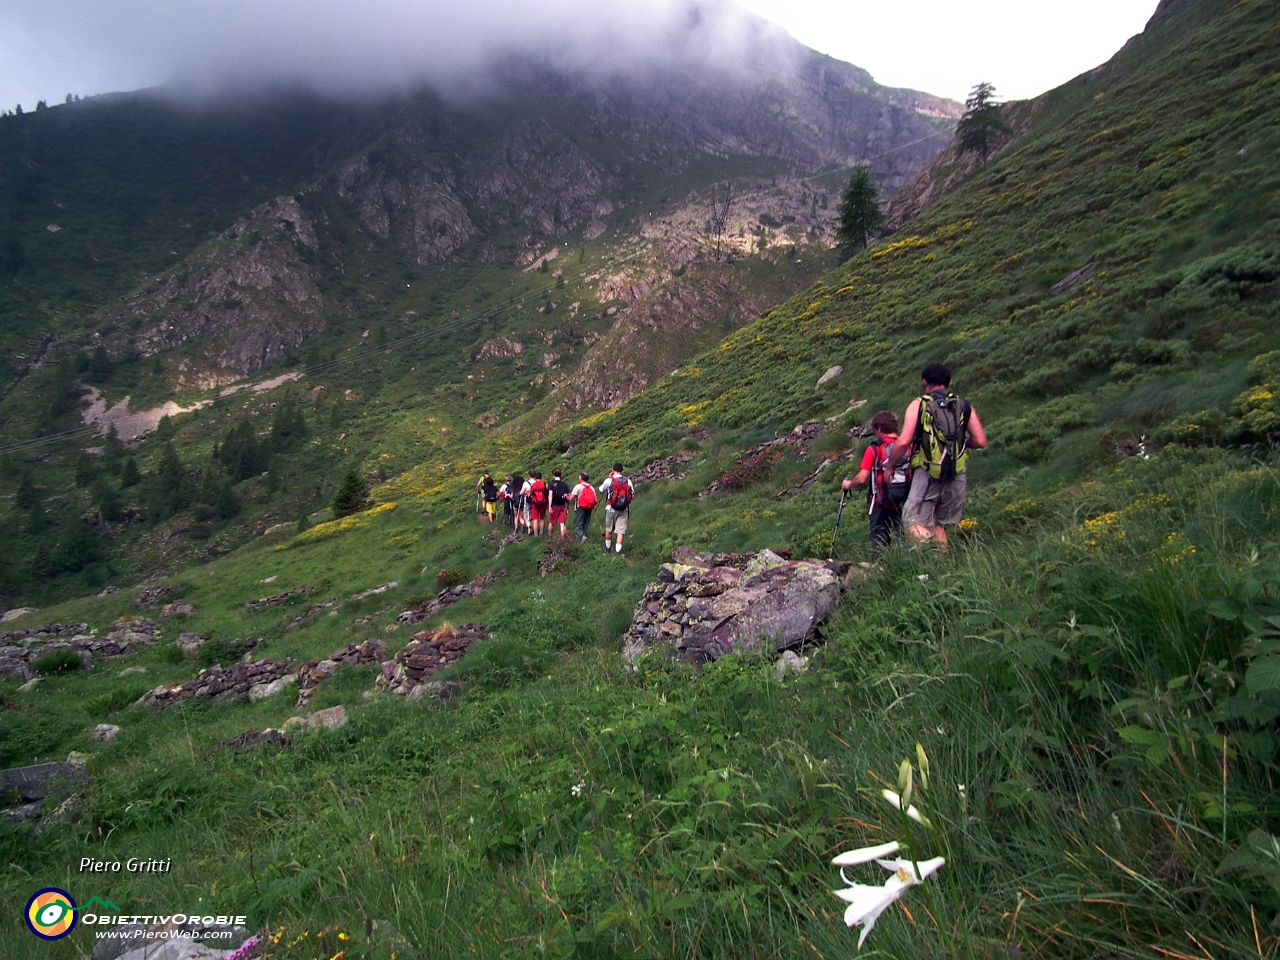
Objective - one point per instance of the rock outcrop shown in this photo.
(668, 323)
(540, 180)
(704, 606)
(232, 682)
(149, 596)
(20, 649)
(244, 299)
(448, 597)
(426, 654)
(418, 210)
(310, 674)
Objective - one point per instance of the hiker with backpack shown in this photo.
(489, 495)
(583, 496)
(618, 493)
(886, 493)
(506, 495)
(519, 506)
(943, 428)
(558, 510)
(538, 497)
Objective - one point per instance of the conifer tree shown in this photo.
(860, 215)
(352, 495)
(983, 124)
(228, 502)
(25, 497)
(129, 476)
(86, 472)
(109, 503)
(111, 445)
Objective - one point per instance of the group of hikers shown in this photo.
(916, 479)
(536, 507)
(919, 483)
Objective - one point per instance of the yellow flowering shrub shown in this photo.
(900, 246)
(335, 528)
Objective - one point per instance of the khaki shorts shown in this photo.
(934, 503)
(615, 521)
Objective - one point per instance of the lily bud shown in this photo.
(904, 781)
(923, 761)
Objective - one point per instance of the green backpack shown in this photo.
(942, 435)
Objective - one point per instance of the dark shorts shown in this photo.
(558, 514)
(884, 523)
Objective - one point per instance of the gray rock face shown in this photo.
(708, 606)
(540, 180)
(247, 297)
(423, 216)
(40, 780)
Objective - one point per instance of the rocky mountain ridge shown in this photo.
(425, 189)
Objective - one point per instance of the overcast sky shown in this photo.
(49, 48)
(1024, 47)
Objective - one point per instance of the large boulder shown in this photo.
(708, 606)
(40, 780)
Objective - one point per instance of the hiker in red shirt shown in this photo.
(885, 497)
(538, 497)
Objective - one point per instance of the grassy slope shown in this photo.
(1075, 665)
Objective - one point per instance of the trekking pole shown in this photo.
(836, 532)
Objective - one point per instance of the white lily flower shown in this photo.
(905, 870)
(851, 858)
(866, 902)
(912, 812)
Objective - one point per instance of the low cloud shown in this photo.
(370, 48)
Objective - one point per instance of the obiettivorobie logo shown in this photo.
(51, 913)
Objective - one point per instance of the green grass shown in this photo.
(1037, 670)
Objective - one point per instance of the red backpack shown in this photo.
(587, 497)
(538, 493)
(893, 494)
(620, 494)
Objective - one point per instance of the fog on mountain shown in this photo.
(335, 47)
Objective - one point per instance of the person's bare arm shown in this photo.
(977, 436)
(910, 420)
(858, 480)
